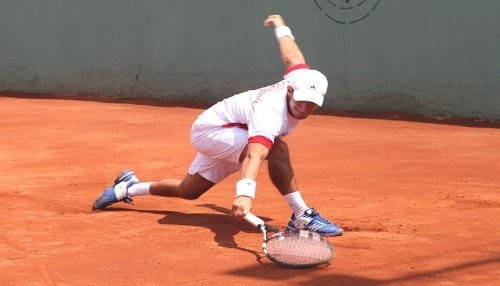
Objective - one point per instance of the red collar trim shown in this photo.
(297, 67)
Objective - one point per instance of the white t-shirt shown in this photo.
(263, 112)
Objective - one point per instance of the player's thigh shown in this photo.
(212, 169)
(220, 143)
(279, 153)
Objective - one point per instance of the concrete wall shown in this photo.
(433, 57)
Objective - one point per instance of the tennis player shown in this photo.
(238, 134)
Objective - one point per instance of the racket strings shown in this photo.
(297, 250)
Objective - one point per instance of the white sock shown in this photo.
(296, 203)
(139, 189)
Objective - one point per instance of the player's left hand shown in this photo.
(241, 206)
(275, 20)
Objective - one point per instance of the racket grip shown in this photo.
(254, 220)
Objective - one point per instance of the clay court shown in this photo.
(419, 200)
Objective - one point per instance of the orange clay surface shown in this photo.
(420, 201)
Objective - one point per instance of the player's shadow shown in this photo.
(221, 223)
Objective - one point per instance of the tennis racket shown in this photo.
(292, 249)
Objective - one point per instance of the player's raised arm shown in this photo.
(290, 51)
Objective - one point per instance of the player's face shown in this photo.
(301, 109)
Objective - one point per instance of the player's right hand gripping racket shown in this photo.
(293, 249)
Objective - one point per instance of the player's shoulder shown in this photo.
(276, 87)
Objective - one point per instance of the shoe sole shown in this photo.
(288, 228)
(122, 176)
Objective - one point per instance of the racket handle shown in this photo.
(254, 220)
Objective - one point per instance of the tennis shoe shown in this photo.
(118, 192)
(312, 221)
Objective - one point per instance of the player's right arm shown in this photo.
(254, 155)
(290, 51)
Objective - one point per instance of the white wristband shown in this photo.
(283, 31)
(246, 187)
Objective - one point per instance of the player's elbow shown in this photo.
(257, 156)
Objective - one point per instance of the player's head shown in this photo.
(309, 85)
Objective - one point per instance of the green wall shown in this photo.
(431, 57)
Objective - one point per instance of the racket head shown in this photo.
(298, 249)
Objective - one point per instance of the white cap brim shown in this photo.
(310, 95)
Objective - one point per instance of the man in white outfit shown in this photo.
(238, 134)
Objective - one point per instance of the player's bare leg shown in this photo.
(303, 217)
(127, 185)
(190, 188)
(280, 168)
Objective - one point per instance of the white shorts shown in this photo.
(219, 150)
